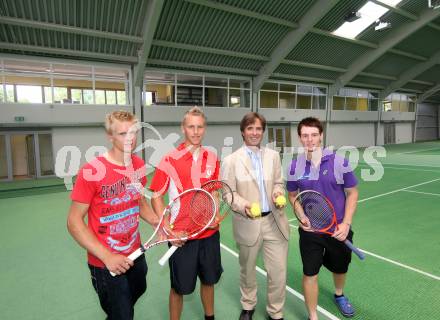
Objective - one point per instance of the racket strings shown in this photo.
(317, 210)
(222, 195)
(201, 209)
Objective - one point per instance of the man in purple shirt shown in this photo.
(323, 171)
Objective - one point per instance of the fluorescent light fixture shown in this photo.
(435, 4)
(382, 25)
(370, 13)
(352, 16)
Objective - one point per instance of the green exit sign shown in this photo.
(19, 119)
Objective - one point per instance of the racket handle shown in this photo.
(133, 256)
(167, 255)
(358, 252)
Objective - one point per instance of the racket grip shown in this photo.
(356, 251)
(133, 256)
(167, 255)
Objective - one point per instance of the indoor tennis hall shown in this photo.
(368, 69)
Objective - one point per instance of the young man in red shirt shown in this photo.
(107, 190)
(189, 166)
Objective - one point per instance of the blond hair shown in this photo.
(194, 111)
(121, 115)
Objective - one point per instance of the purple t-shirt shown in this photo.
(330, 179)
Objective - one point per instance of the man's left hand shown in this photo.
(341, 231)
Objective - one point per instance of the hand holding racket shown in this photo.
(316, 214)
(174, 227)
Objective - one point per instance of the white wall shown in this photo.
(48, 114)
(351, 134)
(404, 132)
(82, 138)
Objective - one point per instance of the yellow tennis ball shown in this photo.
(280, 201)
(171, 226)
(255, 209)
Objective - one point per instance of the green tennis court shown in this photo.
(44, 274)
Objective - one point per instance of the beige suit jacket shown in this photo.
(237, 171)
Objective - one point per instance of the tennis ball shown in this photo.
(280, 201)
(171, 226)
(255, 210)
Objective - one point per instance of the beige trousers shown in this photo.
(275, 249)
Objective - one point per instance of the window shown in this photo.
(285, 95)
(399, 102)
(29, 94)
(110, 96)
(351, 99)
(45, 82)
(179, 89)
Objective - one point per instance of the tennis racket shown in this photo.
(321, 215)
(199, 215)
(202, 206)
(223, 197)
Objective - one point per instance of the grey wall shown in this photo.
(82, 138)
(404, 132)
(222, 137)
(428, 119)
(351, 134)
(48, 114)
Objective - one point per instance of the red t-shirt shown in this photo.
(113, 199)
(179, 171)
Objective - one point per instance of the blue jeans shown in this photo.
(118, 295)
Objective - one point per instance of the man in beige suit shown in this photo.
(254, 173)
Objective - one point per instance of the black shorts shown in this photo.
(196, 258)
(322, 249)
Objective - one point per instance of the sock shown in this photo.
(338, 296)
(209, 317)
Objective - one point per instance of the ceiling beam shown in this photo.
(291, 39)
(203, 67)
(425, 95)
(68, 29)
(154, 8)
(388, 42)
(67, 52)
(230, 53)
(244, 55)
(427, 83)
(243, 12)
(299, 77)
(411, 73)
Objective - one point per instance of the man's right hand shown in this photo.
(305, 224)
(247, 210)
(117, 263)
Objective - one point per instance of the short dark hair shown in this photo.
(250, 118)
(309, 122)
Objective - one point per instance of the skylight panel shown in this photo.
(370, 13)
(392, 3)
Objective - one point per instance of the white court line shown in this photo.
(402, 265)
(289, 289)
(403, 164)
(293, 219)
(394, 262)
(396, 168)
(420, 150)
(398, 190)
(427, 193)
